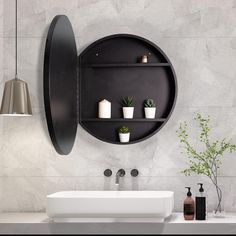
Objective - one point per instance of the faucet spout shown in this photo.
(120, 173)
(117, 180)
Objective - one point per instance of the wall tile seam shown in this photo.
(24, 37)
(118, 32)
(86, 176)
(199, 37)
(204, 106)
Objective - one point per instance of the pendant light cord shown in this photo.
(16, 40)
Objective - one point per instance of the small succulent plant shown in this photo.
(128, 101)
(123, 130)
(149, 103)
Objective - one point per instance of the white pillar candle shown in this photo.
(104, 109)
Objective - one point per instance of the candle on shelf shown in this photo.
(104, 109)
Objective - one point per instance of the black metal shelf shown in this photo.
(126, 65)
(109, 69)
(123, 120)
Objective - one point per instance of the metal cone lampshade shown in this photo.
(16, 100)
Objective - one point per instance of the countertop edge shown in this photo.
(39, 223)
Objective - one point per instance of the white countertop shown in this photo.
(31, 223)
(176, 218)
(24, 218)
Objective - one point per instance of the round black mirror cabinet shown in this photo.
(110, 69)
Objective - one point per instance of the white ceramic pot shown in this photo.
(128, 112)
(124, 138)
(150, 112)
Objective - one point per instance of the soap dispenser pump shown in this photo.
(189, 206)
(201, 204)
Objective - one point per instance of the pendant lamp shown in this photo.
(16, 99)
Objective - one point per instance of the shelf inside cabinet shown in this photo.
(123, 120)
(143, 65)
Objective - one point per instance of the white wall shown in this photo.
(199, 37)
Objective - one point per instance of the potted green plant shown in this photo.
(124, 134)
(128, 107)
(149, 108)
(207, 161)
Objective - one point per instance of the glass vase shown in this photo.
(218, 208)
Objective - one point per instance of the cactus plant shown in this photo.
(128, 101)
(149, 103)
(123, 130)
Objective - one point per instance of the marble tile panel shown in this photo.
(204, 69)
(32, 191)
(22, 194)
(30, 53)
(31, 18)
(202, 19)
(24, 151)
(197, 36)
(187, 18)
(1, 18)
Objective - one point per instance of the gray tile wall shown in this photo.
(199, 37)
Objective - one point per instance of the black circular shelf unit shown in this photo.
(109, 69)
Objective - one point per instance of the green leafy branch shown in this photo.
(205, 162)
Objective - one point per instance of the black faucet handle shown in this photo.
(121, 172)
(134, 172)
(107, 172)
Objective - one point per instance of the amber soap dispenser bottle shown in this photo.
(189, 206)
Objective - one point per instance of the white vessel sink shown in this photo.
(121, 206)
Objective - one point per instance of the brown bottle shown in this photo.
(189, 206)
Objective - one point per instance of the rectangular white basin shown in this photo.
(113, 205)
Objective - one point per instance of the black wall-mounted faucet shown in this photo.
(120, 173)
